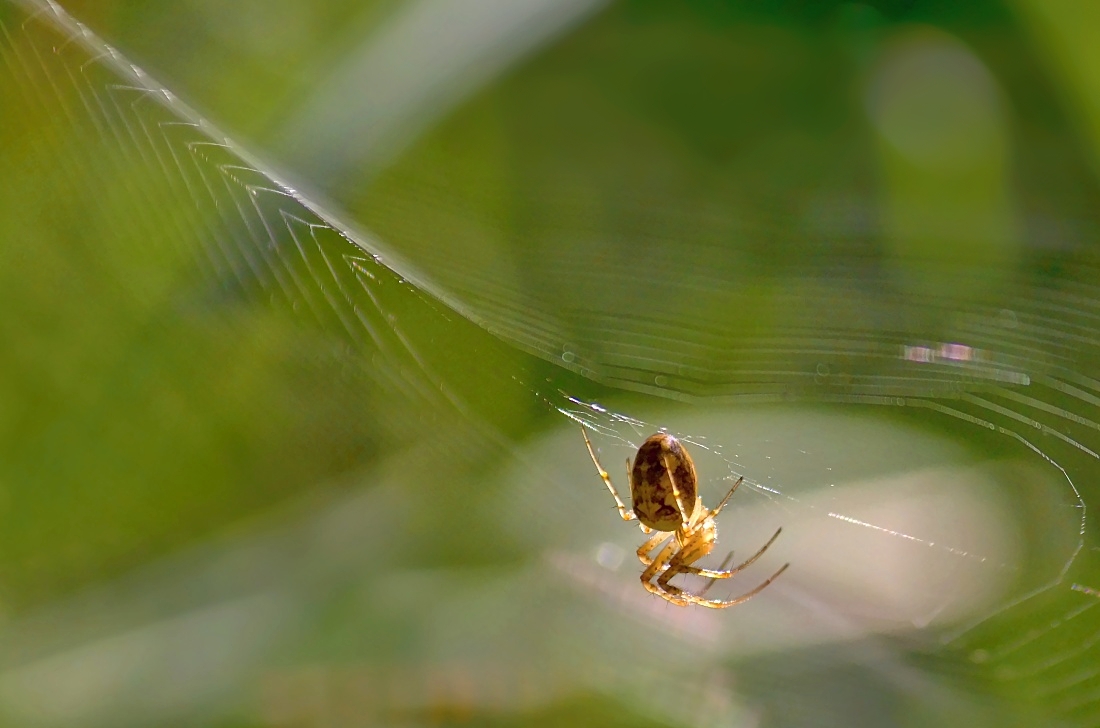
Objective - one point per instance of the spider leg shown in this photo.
(649, 545)
(719, 604)
(693, 549)
(656, 566)
(619, 505)
(645, 529)
(722, 572)
(725, 500)
(750, 560)
(685, 516)
(643, 556)
(723, 565)
(680, 563)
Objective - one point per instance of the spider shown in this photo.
(663, 490)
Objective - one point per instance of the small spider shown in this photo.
(663, 490)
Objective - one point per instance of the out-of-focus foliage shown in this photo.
(250, 474)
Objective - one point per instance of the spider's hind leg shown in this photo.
(649, 545)
(655, 567)
(721, 567)
(678, 567)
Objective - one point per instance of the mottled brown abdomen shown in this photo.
(651, 488)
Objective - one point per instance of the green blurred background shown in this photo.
(288, 424)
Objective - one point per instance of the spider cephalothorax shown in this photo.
(664, 493)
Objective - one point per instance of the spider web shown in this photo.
(1018, 610)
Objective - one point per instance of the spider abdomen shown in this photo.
(651, 488)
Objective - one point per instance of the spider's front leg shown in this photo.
(627, 514)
